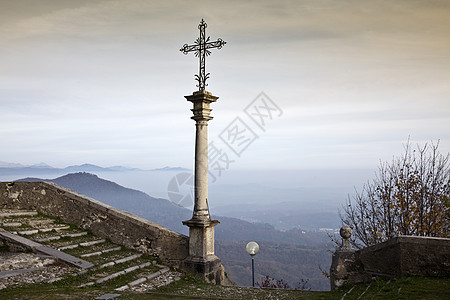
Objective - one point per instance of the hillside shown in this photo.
(291, 255)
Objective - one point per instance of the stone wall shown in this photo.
(408, 255)
(402, 255)
(105, 221)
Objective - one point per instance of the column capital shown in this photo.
(201, 101)
(201, 96)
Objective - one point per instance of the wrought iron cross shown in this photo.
(200, 48)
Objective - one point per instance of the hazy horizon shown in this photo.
(286, 199)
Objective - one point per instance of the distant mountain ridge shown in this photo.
(4, 164)
(26, 170)
(95, 168)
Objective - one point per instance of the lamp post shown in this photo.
(252, 248)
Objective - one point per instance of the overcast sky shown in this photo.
(104, 81)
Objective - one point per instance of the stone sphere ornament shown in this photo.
(345, 232)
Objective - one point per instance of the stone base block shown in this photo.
(345, 268)
(209, 269)
(201, 237)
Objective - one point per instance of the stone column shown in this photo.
(201, 258)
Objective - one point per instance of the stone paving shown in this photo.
(105, 262)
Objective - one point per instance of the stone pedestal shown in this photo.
(345, 267)
(201, 259)
(201, 237)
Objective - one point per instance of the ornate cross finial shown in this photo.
(200, 48)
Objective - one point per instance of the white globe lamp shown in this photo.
(252, 249)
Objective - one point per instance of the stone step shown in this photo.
(57, 237)
(44, 230)
(48, 239)
(18, 213)
(88, 244)
(76, 234)
(101, 252)
(117, 274)
(142, 280)
(84, 244)
(29, 223)
(95, 248)
(68, 247)
(120, 261)
(73, 241)
(18, 223)
(11, 224)
(39, 222)
(28, 232)
(55, 228)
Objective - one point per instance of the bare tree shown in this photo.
(409, 196)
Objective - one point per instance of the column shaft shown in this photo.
(201, 210)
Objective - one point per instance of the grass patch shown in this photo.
(190, 287)
(412, 287)
(50, 291)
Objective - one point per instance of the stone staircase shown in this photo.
(93, 260)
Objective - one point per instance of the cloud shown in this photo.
(345, 72)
